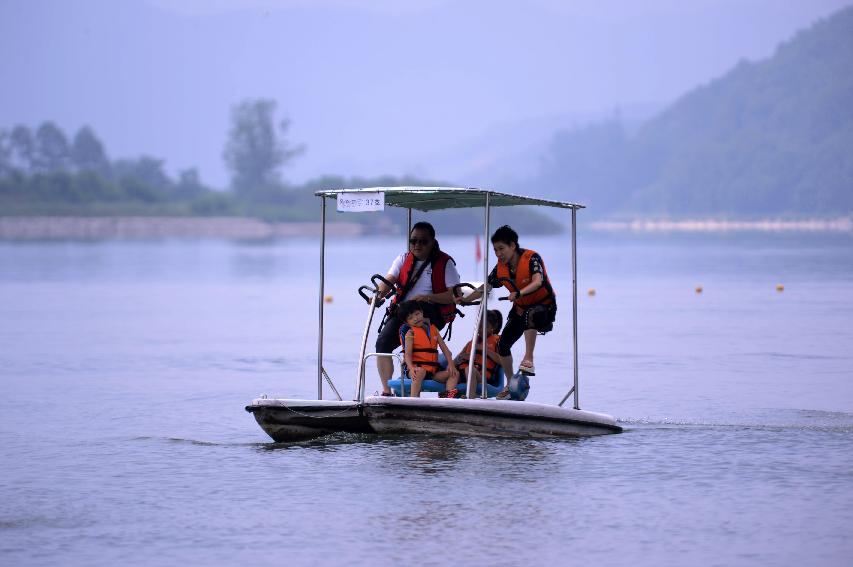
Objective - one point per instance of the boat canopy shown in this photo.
(438, 198)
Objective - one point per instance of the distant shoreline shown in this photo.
(17, 228)
(842, 224)
(130, 228)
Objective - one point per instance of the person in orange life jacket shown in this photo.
(534, 306)
(421, 341)
(494, 320)
(424, 274)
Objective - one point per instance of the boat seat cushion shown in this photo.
(433, 386)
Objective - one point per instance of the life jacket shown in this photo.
(439, 264)
(545, 294)
(424, 347)
(491, 344)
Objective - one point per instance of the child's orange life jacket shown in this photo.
(424, 347)
(491, 344)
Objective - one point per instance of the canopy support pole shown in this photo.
(409, 232)
(575, 301)
(485, 311)
(322, 294)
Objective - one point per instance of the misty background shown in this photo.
(707, 108)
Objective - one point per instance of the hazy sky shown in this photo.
(371, 87)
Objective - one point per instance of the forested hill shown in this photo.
(768, 138)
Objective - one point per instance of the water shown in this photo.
(125, 368)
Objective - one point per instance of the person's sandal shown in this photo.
(503, 394)
(527, 367)
(388, 394)
(454, 393)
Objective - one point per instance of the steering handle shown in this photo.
(379, 277)
(510, 282)
(363, 295)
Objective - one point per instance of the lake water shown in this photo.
(125, 368)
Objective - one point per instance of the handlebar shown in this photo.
(512, 283)
(456, 293)
(375, 289)
(375, 277)
(362, 294)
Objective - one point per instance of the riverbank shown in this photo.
(842, 224)
(140, 227)
(102, 228)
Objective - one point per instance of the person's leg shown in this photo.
(387, 341)
(512, 331)
(417, 381)
(529, 345)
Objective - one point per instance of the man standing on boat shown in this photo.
(424, 274)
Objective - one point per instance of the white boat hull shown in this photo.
(292, 420)
(492, 418)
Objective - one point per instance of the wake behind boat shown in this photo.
(291, 420)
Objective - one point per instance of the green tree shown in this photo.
(143, 179)
(5, 153)
(23, 147)
(189, 185)
(87, 152)
(256, 150)
(52, 152)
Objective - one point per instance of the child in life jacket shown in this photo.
(421, 341)
(494, 321)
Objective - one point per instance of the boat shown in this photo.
(287, 420)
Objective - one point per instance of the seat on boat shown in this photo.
(434, 386)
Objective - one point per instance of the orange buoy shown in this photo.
(328, 299)
(780, 287)
(698, 289)
(591, 292)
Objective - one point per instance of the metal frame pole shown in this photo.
(322, 296)
(409, 232)
(575, 301)
(483, 356)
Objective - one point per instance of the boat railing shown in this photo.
(374, 300)
(392, 356)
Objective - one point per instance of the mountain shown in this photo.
(773, 137)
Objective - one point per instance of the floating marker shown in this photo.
(328, 299)
(780, 287)
(698, 289)
(591, 292)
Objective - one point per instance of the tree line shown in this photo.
(44, 171)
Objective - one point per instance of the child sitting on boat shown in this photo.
(421, 341)
(494, 321)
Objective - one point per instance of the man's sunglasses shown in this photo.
(416, 241)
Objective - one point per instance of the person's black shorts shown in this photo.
(389, 339)
(540, 317)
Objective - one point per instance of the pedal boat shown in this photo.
(286, 420)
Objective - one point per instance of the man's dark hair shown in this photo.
(407, 308)
(506, 235)
(423, 225)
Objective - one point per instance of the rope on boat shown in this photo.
(343, 411)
